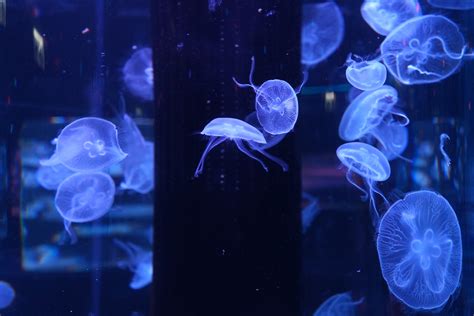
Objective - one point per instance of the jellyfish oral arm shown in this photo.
(305, 79)
(442, 140)
(242, 148)
(250, 84)
(213, 142)
(282, 164)
(70, 231)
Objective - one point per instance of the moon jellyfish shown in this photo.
(425, 49)
(338, 305)
(139, 261)
(369, 163)
(87, 144)
(420, 250)
(385, 15)
(7, 294)
(365, 75)
(322, 32)
(49, 177)
(393, 139)
(453, 4)
(276, 103)
(138, 171)
(138, 74)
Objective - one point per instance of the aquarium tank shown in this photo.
(236, 157)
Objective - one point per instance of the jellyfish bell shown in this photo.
(392, 139)
(365, 75)
(271, 140)
(420, 250)
(338, 305)
(453, 4)
(7, 294)
(139, 261)
(138, 74)
(424, 49)
(49, 177)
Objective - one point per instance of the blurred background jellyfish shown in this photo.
(310, 210)
(225, 128)
(138, 170)
(138, 74)
(365, 74)
(139, 261)
(49, 177)
(425, 49)
(338, 305)
(392, 138)
(453, 4)
(385, 15)
(276, 103)
(442, 142)
(7, 294)
(322, 32)
(420, 250)
(87, 144)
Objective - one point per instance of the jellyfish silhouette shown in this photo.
(385, 15)
(393, 139)
(276, 103)
(365, 75)
(425, 49)
(49, 177)
(453, 4)
(138, 74)
(7, 294)
(87, 144)
(420, 250)
(138, 171)
(322, 32)
(139, 261)
(338, 305)
(225, 128)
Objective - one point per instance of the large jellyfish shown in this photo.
(393, 139)
(87, 144)
(138, 74)
(49, 177)
(322, 32)
(453, 4)
(139, 261)
(385, 15)
(138, 171)
(7, 294)
(425, 49)
(338, 305)
(276, 103)
(420, 250)
(225, 128)
(365, 74)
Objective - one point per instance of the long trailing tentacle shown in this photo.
(277, 160)
(250, 84)
(213, 142)
(305, 79)
(374, 213)
(351, 181)
(242, 148)
(70, 231)
(405, 120)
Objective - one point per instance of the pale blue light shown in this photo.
(49, 177)
(365, 74)
(7, 294)
(453, 4)
(138, 170)
(393, 139)
(442, 141)
(338, 305)
(139, 261)
(138, 74)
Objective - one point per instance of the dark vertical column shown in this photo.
(226, 243)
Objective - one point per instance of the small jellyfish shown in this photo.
(442, 141)
(322, 32)
(138, 74)
(7, 294)
(420, 250)
(138, 171)
(309, 212)
(87, 144)
(225, 128)
(139, 261)
(385, 15)
(276, 103)
(453, 4)
(338, 305)
(393, 139)
(425, 49)
(49, 177)
(365, 75)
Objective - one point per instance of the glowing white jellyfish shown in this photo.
(49, 177)
(139, 261)
(138, 74)
(365, 74)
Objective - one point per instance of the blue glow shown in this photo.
(49, 177)
(87, 144)
(366, 112)
(385, 15)
(276, 103)
(138, 171)
(420, 250)
(453, 4)
(309, 212)
(138, 74)
(393, 139)
(338, 305)
(425, 49)
(322, 32)
(139, 261)
(365, 75)
(85, 197)
(442, 141)
(7, 294)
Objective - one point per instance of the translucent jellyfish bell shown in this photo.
(453, 4)
(139, 261)
(49, 177)
(322, 32)
(385, 15)
(225, 128)
(393, 139)
(7, 294)
(338, 305)
(138, 74)
(425, 49)
(276, 103)
(420, 250)
(138, 171)
(365, 75)
(87, 144)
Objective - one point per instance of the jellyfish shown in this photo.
(87, 144)
(138, 74)
(385, 15)
(49, 177)
(225, 128)
(276, 103)
(393, 139)
(338, 305)
(367, 111)
(309, 212)
(420, 250)
(453, 4)
(138, 171)
(213, 4)
(365, 75)
(7, 294)
(369, 163)
(139, 261)
(425, 49)
(322, 32)
(442, 141)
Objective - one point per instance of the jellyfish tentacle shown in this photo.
(213, 142)
(252, 70)
(242, 148)
(277, 160)
(244, 85)
(70, 231)
(352, 181)
(305, 79)
(405, 120)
